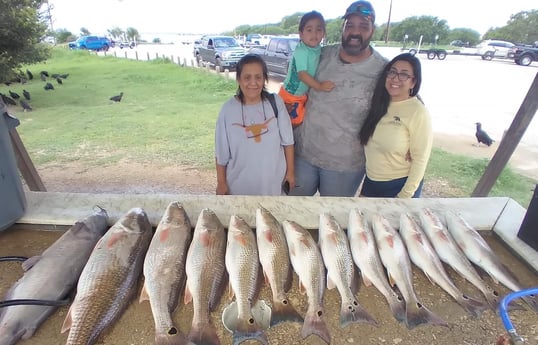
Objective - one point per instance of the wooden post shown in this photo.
(136, 55)
(115, 55)
(126, 54)
(25, 164)
(156, 55)
(509, 142)
(148, 55)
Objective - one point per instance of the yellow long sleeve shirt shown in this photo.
(401, 145)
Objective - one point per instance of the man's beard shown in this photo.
(353, 49)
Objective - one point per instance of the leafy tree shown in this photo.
(132, 34)
(116, 33)
(333, 30)
(21, 30)
(465, 35)
(156, 40)
(84, 32)
(427, 26)
(63, 35)
(521, 28)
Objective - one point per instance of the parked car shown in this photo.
(96, 43)
(222, 51)
(489, 49)
(457, 43)
(524, 54)
(278, 53)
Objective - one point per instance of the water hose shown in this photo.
(13, 258)
(42, 302)
(503, 311)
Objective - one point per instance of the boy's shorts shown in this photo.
(297, 103)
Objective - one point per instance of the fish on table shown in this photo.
(164, 272)
(308, 264)
(206, 275)
(423, 255)
(396, 260)
(50, 276)
(108, 282)
(275, 261)
(366, 256)
(242, 264)
(480, 253)
(338, 261)
(450, 253)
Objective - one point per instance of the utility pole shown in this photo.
(388, 23)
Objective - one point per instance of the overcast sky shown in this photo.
(209, 16)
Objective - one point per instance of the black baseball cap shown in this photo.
(363, 8)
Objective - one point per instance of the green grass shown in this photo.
(167, 116)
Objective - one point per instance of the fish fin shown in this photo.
(204, 333)
(354, 313)
(366, 280)
(68, 321)
(392, 282)
(143, 294)
(30, 262)
(330, 283)
(187, 297)
(283, 311)
(230, 291)
(417, 314)
(302, 288)
(314, 324)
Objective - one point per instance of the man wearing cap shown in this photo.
(329, 156)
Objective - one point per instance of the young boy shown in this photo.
(303, 67)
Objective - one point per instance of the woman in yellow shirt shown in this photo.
(397, 134)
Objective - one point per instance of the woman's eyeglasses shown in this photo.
(402, 76)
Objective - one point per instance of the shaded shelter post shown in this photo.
(25, 164)
(510, 141)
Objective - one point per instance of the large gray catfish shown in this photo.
(242, 264)
(337, 257)
(206, 275)
(109, 279)
(396, 260)
(50, 276)
(164, 272)
(308, 264)
(366, 257)
(424, 256)
(450, 253)
(276, 265)
(480, 253)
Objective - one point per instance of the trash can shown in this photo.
(528, 232)
(12, 198)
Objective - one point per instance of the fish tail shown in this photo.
(172, 337)
(314, 324)
(354, 313)
(283, 311)
(417, 314)
(397, 307)
(531, 301)
(473, 306)
(204, 334)
(249, 329)
(492, 297)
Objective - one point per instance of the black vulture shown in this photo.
(482, 136)
(7, 99)
(55, 75)
(26, 94)
(25, 105)
(43, 77)
(14, 95)
(45, 73)
(117, 98)
(59, 80)
(48, 86)
(64, 76)
(29, 74)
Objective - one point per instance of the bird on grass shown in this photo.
(43, 77)
(29, 74)
(117, 98)
(59, 80)
(26, 94)
(25, 105)
(48, 86)
(45, 73)
(64, 76)
(482, 136)
(14, 95)
(8, 100)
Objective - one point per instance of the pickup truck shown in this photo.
(222, 51)
(278, 53)
(524, 55)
